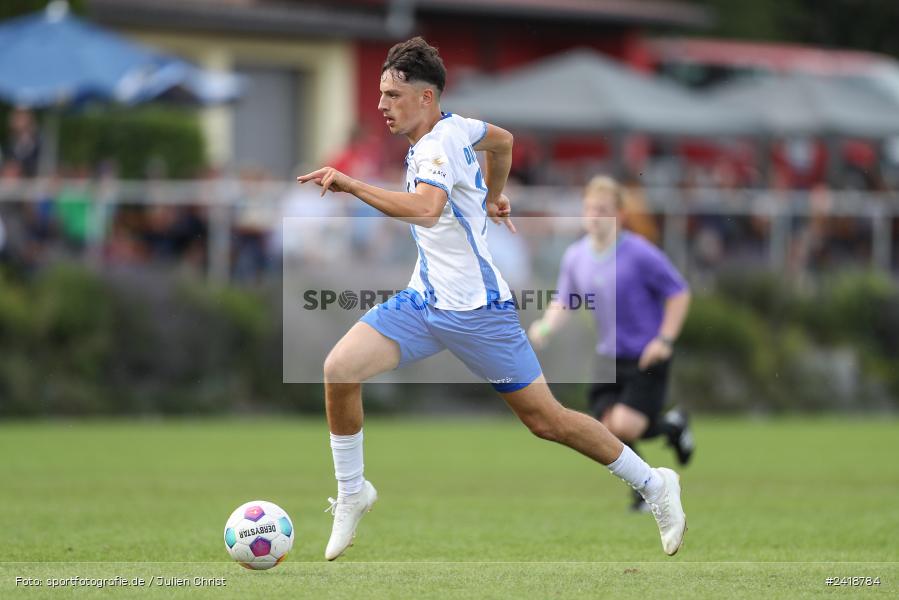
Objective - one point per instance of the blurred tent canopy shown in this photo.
(52, 58)
(798, 105)
(581, 91)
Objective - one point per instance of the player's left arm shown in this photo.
(497, 147)
(557, 314)
(675, 313)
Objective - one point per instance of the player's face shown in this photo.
(402, 103)
(600, 213)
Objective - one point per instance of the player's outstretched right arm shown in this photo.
(421, 207)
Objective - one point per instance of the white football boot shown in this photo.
(348, 511)
(669, 512)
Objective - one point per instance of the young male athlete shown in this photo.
(456, 299)
(651, 300)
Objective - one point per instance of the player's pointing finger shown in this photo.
(310, 176)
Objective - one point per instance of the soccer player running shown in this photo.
(456, 299)
(622, 269)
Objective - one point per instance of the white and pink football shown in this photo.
(258, 535)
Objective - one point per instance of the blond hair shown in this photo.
(603, 184)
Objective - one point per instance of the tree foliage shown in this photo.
(16, 8)
(859, 24)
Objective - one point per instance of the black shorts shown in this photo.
(644, 391)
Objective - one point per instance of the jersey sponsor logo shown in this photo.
(440, 160)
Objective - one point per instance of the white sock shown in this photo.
(637, 473)
(348, 466)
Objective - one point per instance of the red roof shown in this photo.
(659, 12)
(773, 57)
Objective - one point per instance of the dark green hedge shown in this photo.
(135, 139)
(74, 342)
(758, 343)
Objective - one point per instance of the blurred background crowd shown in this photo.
(758, 142)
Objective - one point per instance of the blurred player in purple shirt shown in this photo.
(641, 302)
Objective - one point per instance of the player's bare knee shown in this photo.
(545, 426)
(543, 430)
(624, 435)
(623, 430)
(612, 426)
(607, 423)
(337, 369)
(533, 422)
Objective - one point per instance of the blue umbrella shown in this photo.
(52, 59)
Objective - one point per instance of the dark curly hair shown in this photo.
(417, 61)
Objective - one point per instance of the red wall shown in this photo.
(369, 58)
(492, 46)
(472, 45)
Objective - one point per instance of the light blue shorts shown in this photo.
(489, 340)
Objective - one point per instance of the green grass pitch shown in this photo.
(468, 509)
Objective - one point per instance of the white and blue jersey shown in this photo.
(457, 300)
(454, 270)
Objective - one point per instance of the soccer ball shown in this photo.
(258, 535)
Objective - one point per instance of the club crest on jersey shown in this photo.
(440, 160)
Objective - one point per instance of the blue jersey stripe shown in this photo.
(484, 207)
(423, 269)
(487, 275)
(479, 183)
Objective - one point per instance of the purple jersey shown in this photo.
(643, 280)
